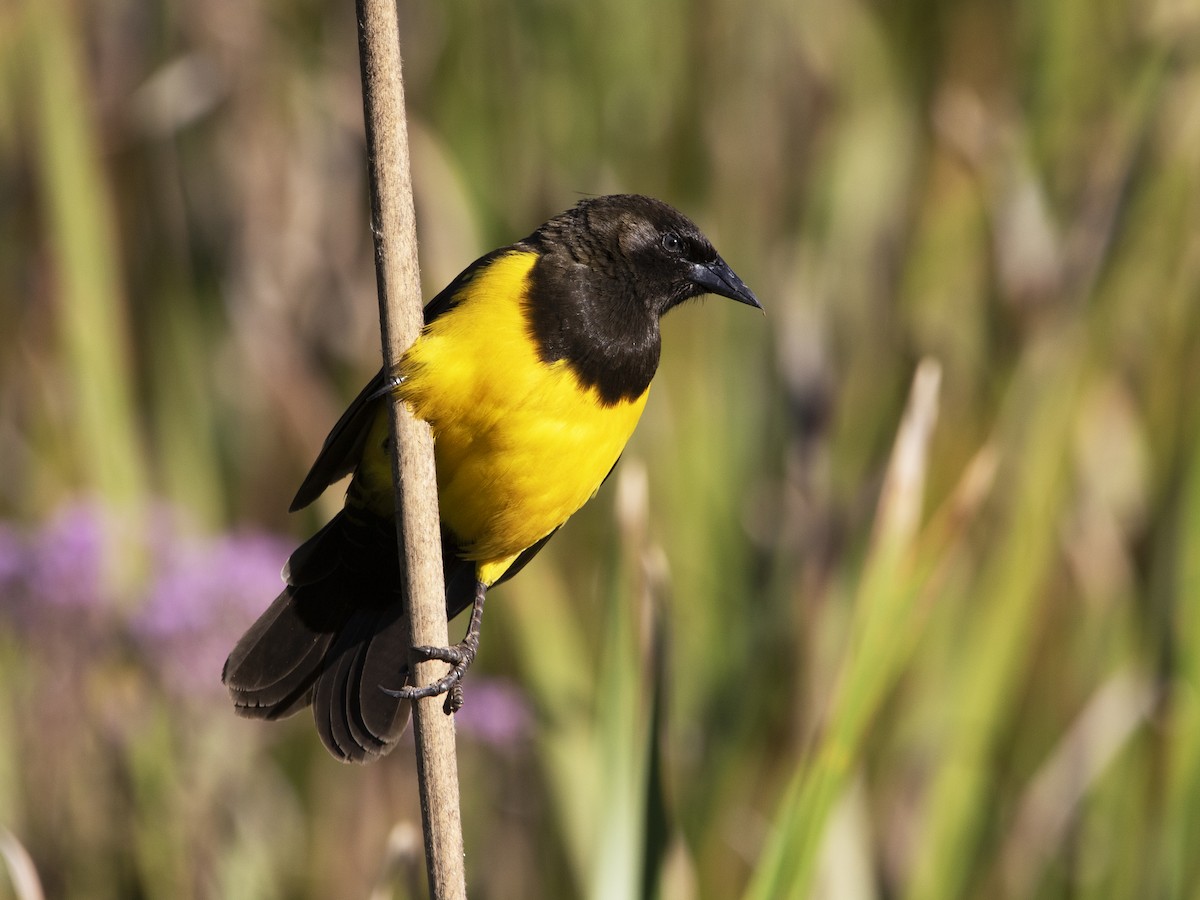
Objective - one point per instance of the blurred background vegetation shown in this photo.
(808, 643)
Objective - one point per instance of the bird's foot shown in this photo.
(459, 656)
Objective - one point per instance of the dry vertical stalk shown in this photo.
(394, 224)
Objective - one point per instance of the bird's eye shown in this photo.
(672, 243)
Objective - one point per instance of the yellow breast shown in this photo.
(520, 445)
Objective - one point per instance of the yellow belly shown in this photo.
(520, 446)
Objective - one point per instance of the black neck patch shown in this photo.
(591, 317)
(607, 271)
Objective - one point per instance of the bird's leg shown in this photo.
(459, 656)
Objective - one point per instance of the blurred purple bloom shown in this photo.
(200, 595)
(200, 592)
(12, 557)
(65, 559)
(496, 712)
(204, 594)
(50, 576)
(13, 564)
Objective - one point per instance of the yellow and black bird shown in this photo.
(532, 369)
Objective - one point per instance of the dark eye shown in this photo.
(672, 243)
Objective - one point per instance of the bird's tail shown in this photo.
(334, 638)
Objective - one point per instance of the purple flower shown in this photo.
(200, 595)
(65, 560)
(54, 576)
(204, 594)
(496, 712)
(12, 557)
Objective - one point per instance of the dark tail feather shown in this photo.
(355, 718)
(333, 638)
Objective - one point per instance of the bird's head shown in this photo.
(651, 247)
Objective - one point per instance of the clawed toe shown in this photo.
(458, 656)
(455, 655)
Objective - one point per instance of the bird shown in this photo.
(532, 369)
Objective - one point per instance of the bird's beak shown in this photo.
(717, 278)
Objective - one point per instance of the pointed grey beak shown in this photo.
(717, 278)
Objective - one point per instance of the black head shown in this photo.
(646, 247)
(607, 271)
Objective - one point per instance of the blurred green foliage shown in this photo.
(806, 644)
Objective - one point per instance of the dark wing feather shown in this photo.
(342, 448)
(525, 556)
(460, 573)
